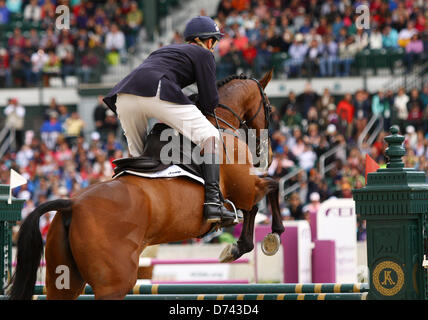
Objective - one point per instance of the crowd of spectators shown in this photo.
(318, 38)
(99, 34)
(307, 125)
(57, 159)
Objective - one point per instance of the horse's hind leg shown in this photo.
(109, 265)
(245, 243)
(63, 280)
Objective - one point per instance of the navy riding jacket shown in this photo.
(176, 66)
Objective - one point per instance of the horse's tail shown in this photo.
(30, 250)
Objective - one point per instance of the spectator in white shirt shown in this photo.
(38, 60)
(400, 107)
(406, 34)
(375, 39)
(32, 12)
(115, 40)
(361, 39)
(15, 114)
(297, 54)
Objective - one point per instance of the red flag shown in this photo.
(371, 165)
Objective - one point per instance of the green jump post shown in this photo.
(395, 205)
(9, 215)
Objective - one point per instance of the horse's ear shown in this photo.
(266, 78)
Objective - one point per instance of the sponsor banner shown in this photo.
(336, 220)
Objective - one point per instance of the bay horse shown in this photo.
(99, 233)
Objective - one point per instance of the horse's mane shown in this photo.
(221, 83)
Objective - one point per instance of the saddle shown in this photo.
(152, 160)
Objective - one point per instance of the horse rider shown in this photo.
(154, 90)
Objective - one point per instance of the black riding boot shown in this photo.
(214, 210)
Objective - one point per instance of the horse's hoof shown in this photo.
(270, 244)
(227, 254)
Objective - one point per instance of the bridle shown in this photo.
(244, 124)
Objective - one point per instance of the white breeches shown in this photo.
(134, 111)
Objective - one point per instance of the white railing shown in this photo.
(6, 143)
(367, 129)
(284, 192)
(323, 168)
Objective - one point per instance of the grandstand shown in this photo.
(336, 91)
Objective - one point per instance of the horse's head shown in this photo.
(243, 104)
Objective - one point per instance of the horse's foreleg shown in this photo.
(245, 243)
(271, 242)
(273, 199)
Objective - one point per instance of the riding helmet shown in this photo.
(202, 27)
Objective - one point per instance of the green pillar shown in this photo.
(9, 215)
(395, 205)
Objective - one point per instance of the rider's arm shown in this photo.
(205, 70)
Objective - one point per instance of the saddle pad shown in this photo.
(170, 172)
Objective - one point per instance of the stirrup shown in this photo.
(236, 221)
(221, 216)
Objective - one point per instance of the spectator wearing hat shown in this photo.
(297, 54)
(15, 117)
(314, 205)
(111, 124)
